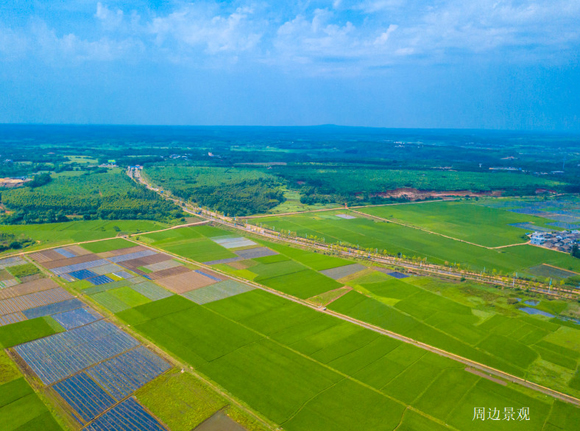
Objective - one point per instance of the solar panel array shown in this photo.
(343, 271)
(11, 318)
(126, 373)
(151, 290)
(84, 396)
(8, 283)
(11, 261)
(61, 355)
(123, 274)
(94, 366)
(106, 269)
(127, 416)
(100, 279)
(208, 275)
(217, 291)
(57, 307)
(82, 274)
(253, 253)
(64, 252)
(229, 242)
(78, 266)
(75, 318)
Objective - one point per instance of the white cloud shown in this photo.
(320, 36)
(208, 28)
(107, 17)
(70, 47)
(12, 44)
(384, 37)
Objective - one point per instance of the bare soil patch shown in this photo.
(71, 261)
(415, 194)
(169, 272)
(27, 288)
(185, 282)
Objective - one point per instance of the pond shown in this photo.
(535, 311)
(543, 313)
(531, 302)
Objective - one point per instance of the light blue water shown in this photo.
(536, 311)
(531, 302)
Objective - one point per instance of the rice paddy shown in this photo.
(410, 242)
(299, 367)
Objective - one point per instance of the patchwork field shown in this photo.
(283, 268)
(392, 301)
(410, 242)
(83, 363)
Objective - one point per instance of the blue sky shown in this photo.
(389, 63)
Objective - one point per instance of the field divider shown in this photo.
(485, 368)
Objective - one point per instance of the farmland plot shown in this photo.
(313, 369)
(411, 242)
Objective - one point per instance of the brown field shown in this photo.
(144, 261)
(5, 275)
(77, 249)
(242, 264)
(27, 288)
(122, 251)
(32, 277)
(70, 261)
(46, 256)
(33, 300)
(213, 274)
(169, 272)
(185, 282)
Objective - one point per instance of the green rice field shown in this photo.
(467, 221)
(375, 235)
(492, 333)
(53, 234)
(299, 367)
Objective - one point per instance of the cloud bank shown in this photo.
(313, 37)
